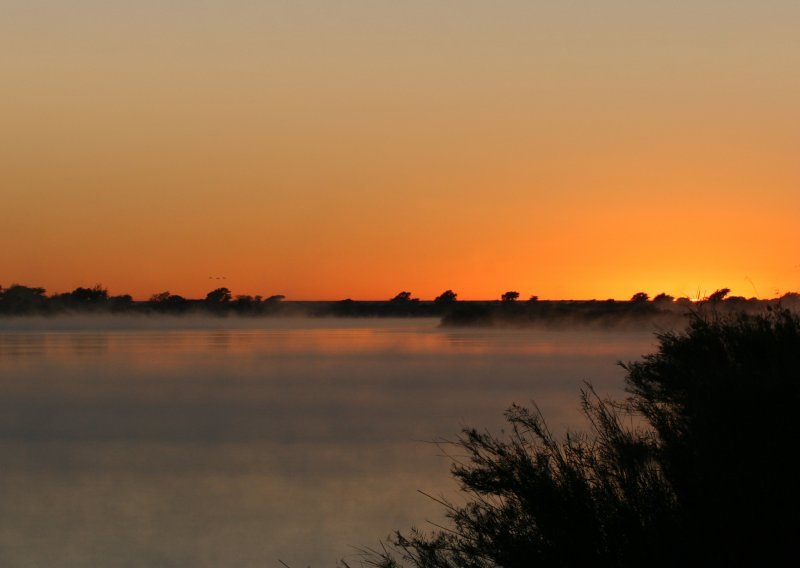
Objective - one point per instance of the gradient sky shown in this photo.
(356, 148)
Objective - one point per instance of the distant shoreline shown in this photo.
(635, 313)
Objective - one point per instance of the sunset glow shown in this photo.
(325, 150)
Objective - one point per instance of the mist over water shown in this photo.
(237, 442)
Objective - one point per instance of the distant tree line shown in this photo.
(639, 311)
(22, 300)
(25, 300)
(508, 310)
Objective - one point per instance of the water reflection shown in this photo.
(430, 340)
(236, 446)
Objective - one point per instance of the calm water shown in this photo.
(178, 442)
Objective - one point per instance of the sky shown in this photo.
(357, 148)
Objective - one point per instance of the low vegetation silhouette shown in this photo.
(509, 297)
(446, 298)
(506, 311)
(694, 468)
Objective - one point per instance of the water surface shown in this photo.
(226, 442)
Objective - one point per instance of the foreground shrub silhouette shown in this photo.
(695, 467)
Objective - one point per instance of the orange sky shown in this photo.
(325, 150)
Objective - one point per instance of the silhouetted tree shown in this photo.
(639, 297)
(219, 296)
(446, 298)
(18, 299)
(533, 299)
(663, 298)
(94, 295)
(160, 297)
(707, 479)
(402, 297)
(246, 304)
(171, 303)
(509, 297)
(91, 299)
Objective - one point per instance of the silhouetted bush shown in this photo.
(19, 299)
(694, 468)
